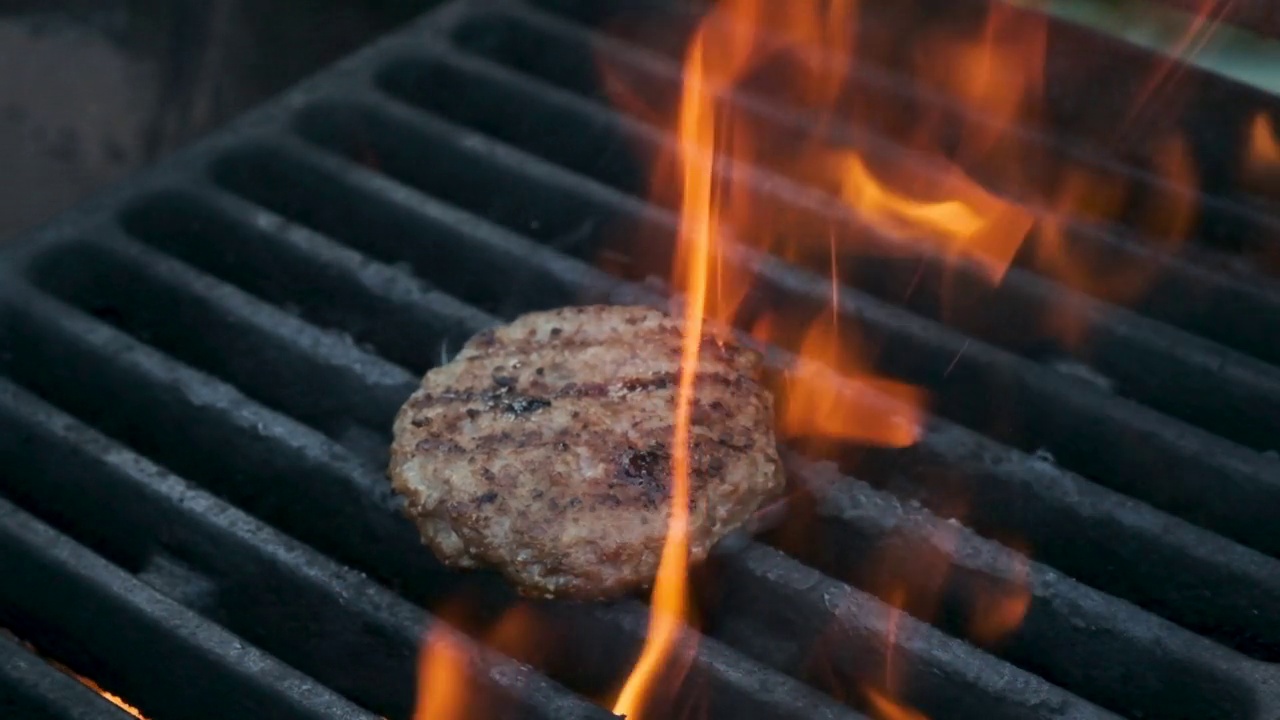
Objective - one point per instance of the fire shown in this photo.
(1264, 148)
(885, 708)
(998, 609)
(444, 689)
(1262, 157)
(971, 222)
(829, 396)
(831, 393)
(990, 78)
(1166, 221)
(442, 677)
(113, 699)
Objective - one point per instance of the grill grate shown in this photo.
(198, 371)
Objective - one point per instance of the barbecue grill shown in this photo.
(198, 371)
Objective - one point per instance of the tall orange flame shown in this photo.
(669, 605)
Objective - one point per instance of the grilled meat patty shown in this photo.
(544, 449)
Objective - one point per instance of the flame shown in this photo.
(971, 222)
(990, 81)
(1262, 157)
(669, 604)
(1167, 221)
(885, 708)
(444, 689)
(998, 610)
(113, 699)
(837, 399)
(442, 677)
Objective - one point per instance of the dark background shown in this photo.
(93, 89)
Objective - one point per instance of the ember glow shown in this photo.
(113, 699)
(886, 708)
(110, 697)
(1262, 158)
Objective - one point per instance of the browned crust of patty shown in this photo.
(544, 449)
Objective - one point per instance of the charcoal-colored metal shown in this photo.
(198, 372)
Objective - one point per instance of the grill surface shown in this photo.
(198, 373)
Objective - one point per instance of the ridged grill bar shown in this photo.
(198, 373)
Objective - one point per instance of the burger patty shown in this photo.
(543, 449)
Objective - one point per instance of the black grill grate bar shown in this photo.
(270, 355)
(1087, 633)
(396, 555)
(32, 688)
(208, 671)
(1222, 297)
(63, 350)
(285, 264)
(1179, 468)
(1074, 522)
(422, 240)
(324, 619)
(1161, 365)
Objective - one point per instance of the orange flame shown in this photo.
(1263, 155)
(444, 678)
(830, 394)
(834, 398)
(669, 604)
(1166, 220)
(999, 610)
(114, 699)
(885, 708)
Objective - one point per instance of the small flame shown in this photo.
(444, 660)
(998, 611)
(885, 708)
(442, 677)
(112, 698)
(970, 222)
(1264, 148)
(835, 398)
(1166, 220)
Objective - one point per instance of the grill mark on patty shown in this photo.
(505, 394)
(492, 347)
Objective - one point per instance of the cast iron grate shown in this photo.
(198, 371)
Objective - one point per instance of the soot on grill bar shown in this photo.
(983, 294)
